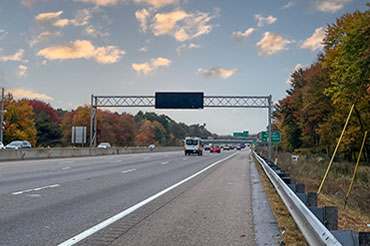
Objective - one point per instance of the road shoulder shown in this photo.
(266, 227)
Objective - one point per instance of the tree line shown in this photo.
(43, 126)
(312, 115)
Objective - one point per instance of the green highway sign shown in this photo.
(255, 143)
(241, 134)
(275, 137)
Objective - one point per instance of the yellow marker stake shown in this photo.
(335, 151)
(356, 167)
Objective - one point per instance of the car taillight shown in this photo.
(198, 146)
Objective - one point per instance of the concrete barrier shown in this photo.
(44, 153)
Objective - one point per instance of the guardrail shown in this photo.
(44, 153)
(312, 229)
(307, 218)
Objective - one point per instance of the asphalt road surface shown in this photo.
(48, 202)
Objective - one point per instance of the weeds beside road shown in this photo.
(309, 169)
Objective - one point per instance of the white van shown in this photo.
(193, 145)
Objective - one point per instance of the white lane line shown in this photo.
(126, 212)
(128, 171)
(65, 168)
(35, 189)
(65, 162)
(164, 163)
(118, 161)
(184, 159)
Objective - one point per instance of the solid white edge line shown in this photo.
(126, 212)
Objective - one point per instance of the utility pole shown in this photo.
(2, 115)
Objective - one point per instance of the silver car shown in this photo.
(18, 145)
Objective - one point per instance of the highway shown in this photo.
(48, 202)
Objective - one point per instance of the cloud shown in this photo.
(28, 3)
(156, 3)
(331, 6)
(52, 18)
(142, 16)
(82, 49)
(218, 72)
(3, 33)
(22, 71)
(95, 32)
(264, 20)
(48, 16)
(181, 25)
(315, 41)
(147, 67)
(16, 57)
(240, 36)
(271, 43)
(100, 2)
(20, 93)
(44, 36)
(183, 47)
(143, 49)
(288, 5)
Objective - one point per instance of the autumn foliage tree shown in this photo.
(49, 132)
(79, 117)
(18, 121)
(313, 113)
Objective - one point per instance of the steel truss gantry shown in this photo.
(149, 102)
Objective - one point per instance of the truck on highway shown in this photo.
(193, 145)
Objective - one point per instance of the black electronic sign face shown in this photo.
(179, 100)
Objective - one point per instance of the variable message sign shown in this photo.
(179, 100)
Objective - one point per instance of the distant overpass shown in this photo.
(228, 141)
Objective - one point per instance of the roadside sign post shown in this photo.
(79, 135)
(275, 137)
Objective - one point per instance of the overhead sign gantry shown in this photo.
(178, 100)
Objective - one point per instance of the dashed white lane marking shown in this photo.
(35, 189)
(164, 163)
(65, 162)
(184, 159)
(118, 161)
(128, 171)
(111, 220)
(66, 168)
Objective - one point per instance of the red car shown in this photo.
(215, 148)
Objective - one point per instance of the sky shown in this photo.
(62, 51)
